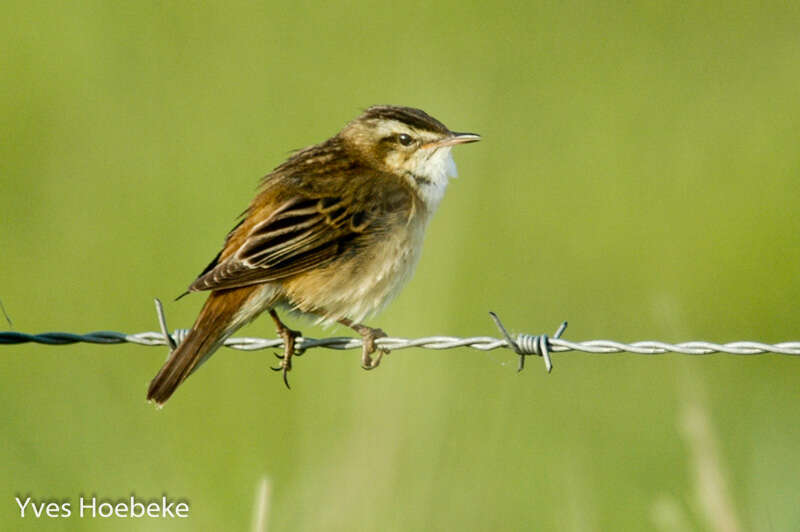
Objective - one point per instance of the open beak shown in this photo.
(453, 139)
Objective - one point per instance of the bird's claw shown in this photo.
(288, 336)
(285, 367)
(369, 335)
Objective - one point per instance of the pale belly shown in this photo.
(357, 287)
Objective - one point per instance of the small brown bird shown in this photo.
(334, 233)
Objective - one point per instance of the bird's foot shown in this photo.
(368, 336)
(289, 337)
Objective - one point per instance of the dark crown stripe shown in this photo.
(415, 118)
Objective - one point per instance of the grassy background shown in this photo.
(639, 176)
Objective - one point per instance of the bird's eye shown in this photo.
(404, 139)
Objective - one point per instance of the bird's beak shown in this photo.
(453, 139)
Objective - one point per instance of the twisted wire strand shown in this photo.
(482, 343)
(522, 344)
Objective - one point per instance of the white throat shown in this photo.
(432, 171)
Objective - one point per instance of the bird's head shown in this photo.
(409, 143)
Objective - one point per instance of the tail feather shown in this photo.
(219, 318)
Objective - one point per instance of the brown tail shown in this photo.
(219, 319)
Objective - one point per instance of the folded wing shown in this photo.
(301, 234)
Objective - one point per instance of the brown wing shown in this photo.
(301, 234)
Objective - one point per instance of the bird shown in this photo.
(333, 234)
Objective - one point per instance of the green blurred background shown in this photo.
(639, 176)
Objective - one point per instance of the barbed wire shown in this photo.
(522, 344)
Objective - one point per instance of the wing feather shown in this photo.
(301, 234)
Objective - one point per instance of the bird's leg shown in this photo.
(368, 336)
(288, 335)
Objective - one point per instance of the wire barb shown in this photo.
(528, 344)
(8, 318)
(162, 322)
